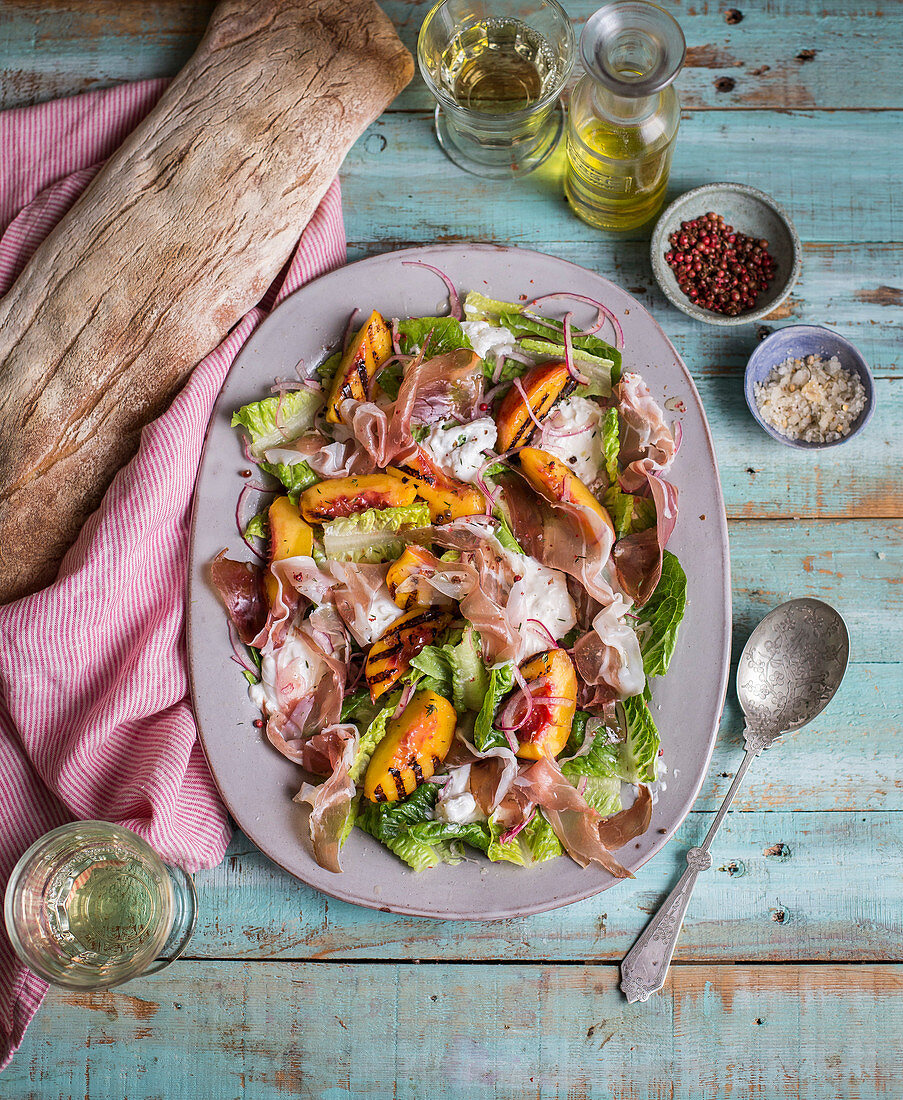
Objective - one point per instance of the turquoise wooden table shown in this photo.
(787, 980)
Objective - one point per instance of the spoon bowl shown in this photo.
(791, 666)
(788, 673)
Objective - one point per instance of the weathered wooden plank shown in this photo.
(330, 1031)
(792, 155)
(784, 886)
(50, 48)
(762, 478)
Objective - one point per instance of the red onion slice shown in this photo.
(615, 324)
(545, 630)
(579, 378)
(454, 302)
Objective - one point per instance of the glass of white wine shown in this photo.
(90, 905)
(497, 70)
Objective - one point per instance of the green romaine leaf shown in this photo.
(504, 534)
(275, 421)
(611, 444)
(603, 761)
(540, 840)
(433, 335)
(639, 752)
(350, 819)
(456, 671)
(509, 315)
(578, 730)
(663, 612)
(390, 379)
(483, 835)
(396, 824)
(389, 820)
(477, 307)
(358, 708)
(250, 677)
(374, 535)
(371, 737)
(596, 368)
(485, 736)
(603, 795)
(295, 476)
(326, 370)
(629, 513)
(257, 527)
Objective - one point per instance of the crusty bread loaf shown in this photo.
(177, 237)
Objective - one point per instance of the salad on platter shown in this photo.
(461, 588)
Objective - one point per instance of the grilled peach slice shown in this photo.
(368, 350)
(550, 676)
(390, 656)
(553, 480)
(415, 744)
(446, 498)
(343, 496)
(290, 537)
(416, 593)
(545, 385)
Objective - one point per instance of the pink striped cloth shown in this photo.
(95, 720)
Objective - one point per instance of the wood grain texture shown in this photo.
(791, 155)
(52, 48)
(176, 238)
(784, 886)
(332, 1031)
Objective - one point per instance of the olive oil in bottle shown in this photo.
(624, 115)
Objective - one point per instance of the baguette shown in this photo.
(176, 238)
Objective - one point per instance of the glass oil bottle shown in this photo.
(623, 115)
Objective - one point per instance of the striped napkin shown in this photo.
(95, 720)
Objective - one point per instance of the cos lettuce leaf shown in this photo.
(433, 335)
(456, 671)
(504, 534)
(275, 420)
(544, 339)
(603, 795)
(392, 823)
(482, 835)
(295, 476)
(611, 444)
(485, 736)
(375, 535)
(629, 513)
(663, 612)
(639, 751)
(257, 527)
(371, 737)
(540, 840)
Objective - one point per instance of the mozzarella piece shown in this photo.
(286, 674)
(487, 341)
(572, 433)
(456, 805)
(458, 449)
(539, 594)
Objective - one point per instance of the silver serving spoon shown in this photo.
(788, 673)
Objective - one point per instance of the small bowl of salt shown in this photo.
(809, 387)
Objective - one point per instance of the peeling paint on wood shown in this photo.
(454, 1031)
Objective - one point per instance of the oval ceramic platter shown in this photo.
(257, 783)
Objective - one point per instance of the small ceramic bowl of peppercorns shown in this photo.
(725, 253)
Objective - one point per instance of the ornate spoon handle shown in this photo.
(645, 966)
